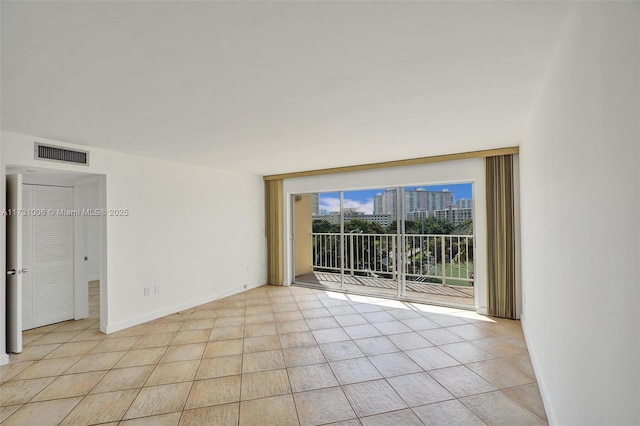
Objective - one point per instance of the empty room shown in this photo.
(310, 213)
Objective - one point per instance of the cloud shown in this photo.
(332, 204)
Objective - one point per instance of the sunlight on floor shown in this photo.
(293, 355)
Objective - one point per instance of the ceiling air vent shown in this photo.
(63, 155)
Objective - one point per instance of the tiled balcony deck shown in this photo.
(416, 290)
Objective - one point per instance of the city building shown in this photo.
(315, 204)
(389, 202)
(418, 200)
(334, 217)
(377, 204)
(464, 204)
(454, 215)
(418, 215)
(435, 200)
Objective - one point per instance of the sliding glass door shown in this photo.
(404, 242)
(370, 245)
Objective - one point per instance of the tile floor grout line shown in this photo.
(518, 402)
(340, 386)
(241, 369)
(139, 390)
(299, 299)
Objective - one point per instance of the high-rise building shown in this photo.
(389, 202)
(438, 200)
(315, 202)
(420, 203)
(454, 215)
(334, 218)
(464, 204)
(411, 200)
(418, 215)
(418, 200)
(377, 204)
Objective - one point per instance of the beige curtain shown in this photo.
(500, 237)
(273, 215)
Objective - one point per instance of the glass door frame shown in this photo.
(398, 254)
(400, 242)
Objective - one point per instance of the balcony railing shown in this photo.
(428, 258)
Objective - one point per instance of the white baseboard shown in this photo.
(112, 328)
(4, 359)
(551, 418)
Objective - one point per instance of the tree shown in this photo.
(465, 228)
(363, 227)
(321, 225)
(436, 226)
(430, 225)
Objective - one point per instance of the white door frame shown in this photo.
(14, 261)
(80, 292)
(81, 299)
(81, 190)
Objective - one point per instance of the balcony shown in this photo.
(437, 268)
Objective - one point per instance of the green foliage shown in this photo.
(323, 226)
(363, 227)
(412, 227)
(465, 228)
(430, 225)
(436, 226)
(357, 226)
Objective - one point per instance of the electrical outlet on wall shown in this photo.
(156, 289)
(147, 291)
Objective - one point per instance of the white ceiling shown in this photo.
(277, 87)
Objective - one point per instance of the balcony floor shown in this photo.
(434, 293)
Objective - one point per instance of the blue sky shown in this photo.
(363, 199)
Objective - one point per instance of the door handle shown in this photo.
(11, 272)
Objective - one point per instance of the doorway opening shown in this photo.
(56, 259)
(409, 242)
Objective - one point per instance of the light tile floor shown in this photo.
(277, 355)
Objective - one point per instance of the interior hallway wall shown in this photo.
(580, 204)
(195, 232)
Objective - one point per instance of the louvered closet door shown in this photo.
(50, 259)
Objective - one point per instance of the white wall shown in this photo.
(434, 173)
(580, 192)
(198, 233)
(92, 233)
